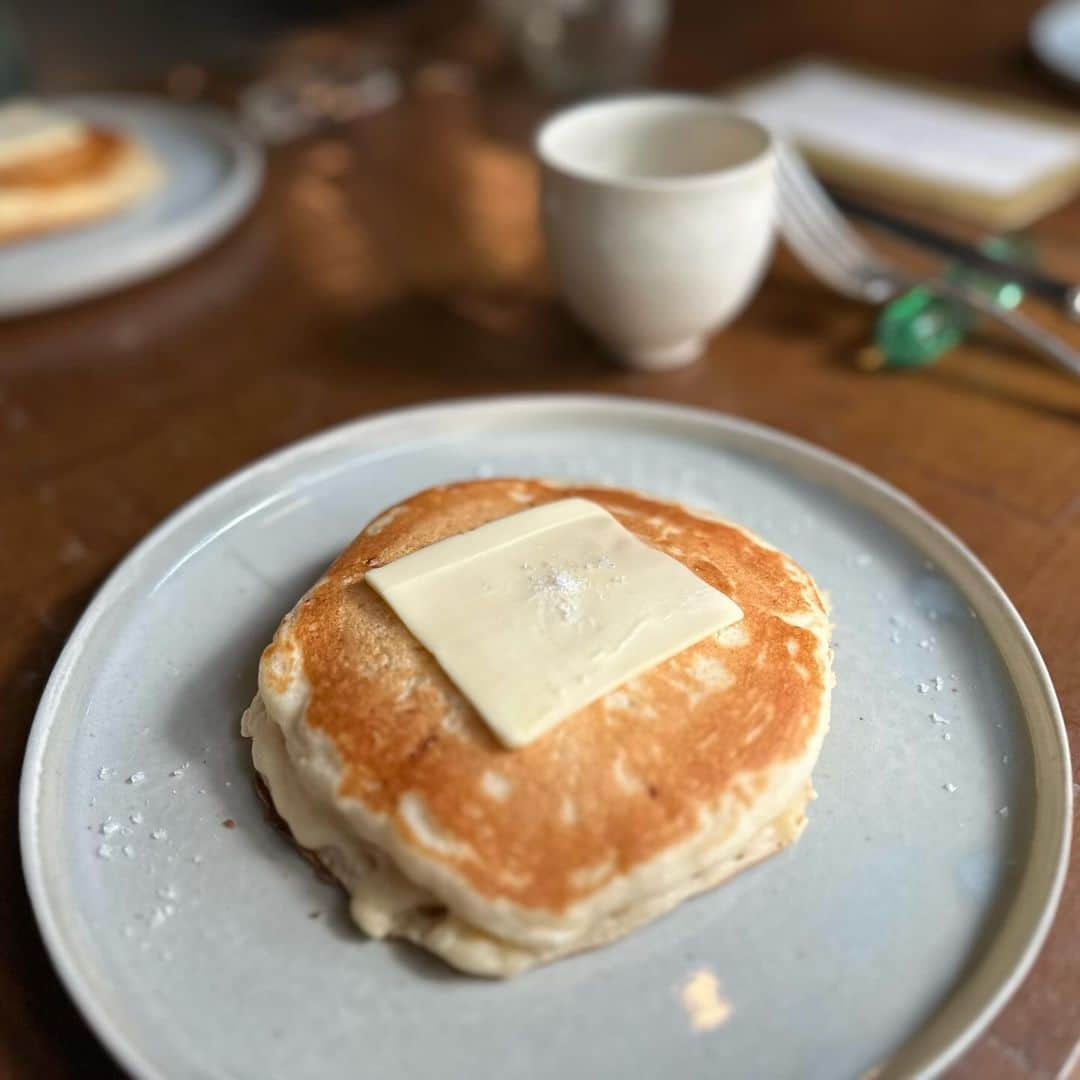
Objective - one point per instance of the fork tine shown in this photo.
(814, 244)
(822, 238)
(814, 252)
(820, 209)
(796, 214)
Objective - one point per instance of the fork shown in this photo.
(833, 251)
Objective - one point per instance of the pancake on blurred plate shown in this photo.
(498, 859)
(58, 171)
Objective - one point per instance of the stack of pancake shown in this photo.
(499, 859)
(57, 171)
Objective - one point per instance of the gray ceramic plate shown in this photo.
(1054, 35)
(892, 932)
(213, 173)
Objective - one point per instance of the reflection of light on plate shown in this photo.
(704, 1004)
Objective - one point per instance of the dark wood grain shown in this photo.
(399, 262)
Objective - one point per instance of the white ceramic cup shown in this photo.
(658, 212)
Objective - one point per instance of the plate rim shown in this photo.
(1035, 899)
(1040, 36)
(175, 242)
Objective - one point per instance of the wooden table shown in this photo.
(399, 262)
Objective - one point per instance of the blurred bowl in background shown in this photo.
(576, 48)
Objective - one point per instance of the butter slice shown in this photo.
(29, 131)
(536, 615)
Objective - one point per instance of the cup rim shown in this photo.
(711, 178)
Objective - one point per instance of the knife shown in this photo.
(1061, 294)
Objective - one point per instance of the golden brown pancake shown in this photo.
(498, 859)
(97, 153)
(103, 173)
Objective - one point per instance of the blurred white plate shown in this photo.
(213, 172)
(894, 929)
(1055, 38)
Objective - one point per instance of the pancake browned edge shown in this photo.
(101, 175)
(497, 859)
